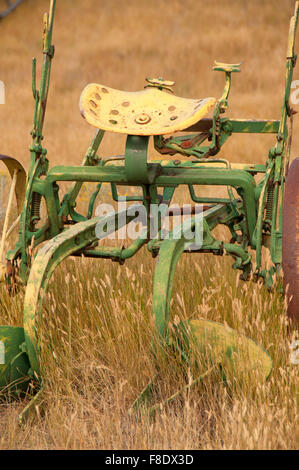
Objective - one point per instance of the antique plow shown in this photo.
(257, 214)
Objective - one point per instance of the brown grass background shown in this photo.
(101, 331)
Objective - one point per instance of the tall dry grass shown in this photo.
(97, 324)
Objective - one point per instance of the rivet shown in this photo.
(143, 119)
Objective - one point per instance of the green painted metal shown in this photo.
(170, 251)
(74, 240)
(251, 211)
(14, 362)
(224, 352)
(136, 168)
(237, 354)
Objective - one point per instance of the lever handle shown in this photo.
(228, 68)
(160, 83)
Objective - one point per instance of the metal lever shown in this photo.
(228, 69)
(160, 83)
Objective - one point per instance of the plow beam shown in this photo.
(48, 258)
(219, 348)
(170, 251)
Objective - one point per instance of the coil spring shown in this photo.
(35, 212)
(270, 198)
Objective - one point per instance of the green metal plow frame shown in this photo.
(254, 217)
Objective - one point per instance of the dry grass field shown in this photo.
(97, 331)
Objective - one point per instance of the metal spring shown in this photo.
(270, 198)
(35, 213)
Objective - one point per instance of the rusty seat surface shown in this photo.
(147, 112)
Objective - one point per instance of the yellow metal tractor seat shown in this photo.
(148, 112)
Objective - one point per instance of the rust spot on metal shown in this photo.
(186, 144)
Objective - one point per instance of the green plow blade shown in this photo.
(210, 346)
(14, 363)
(240, 357)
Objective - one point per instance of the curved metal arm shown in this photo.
(228, 69)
